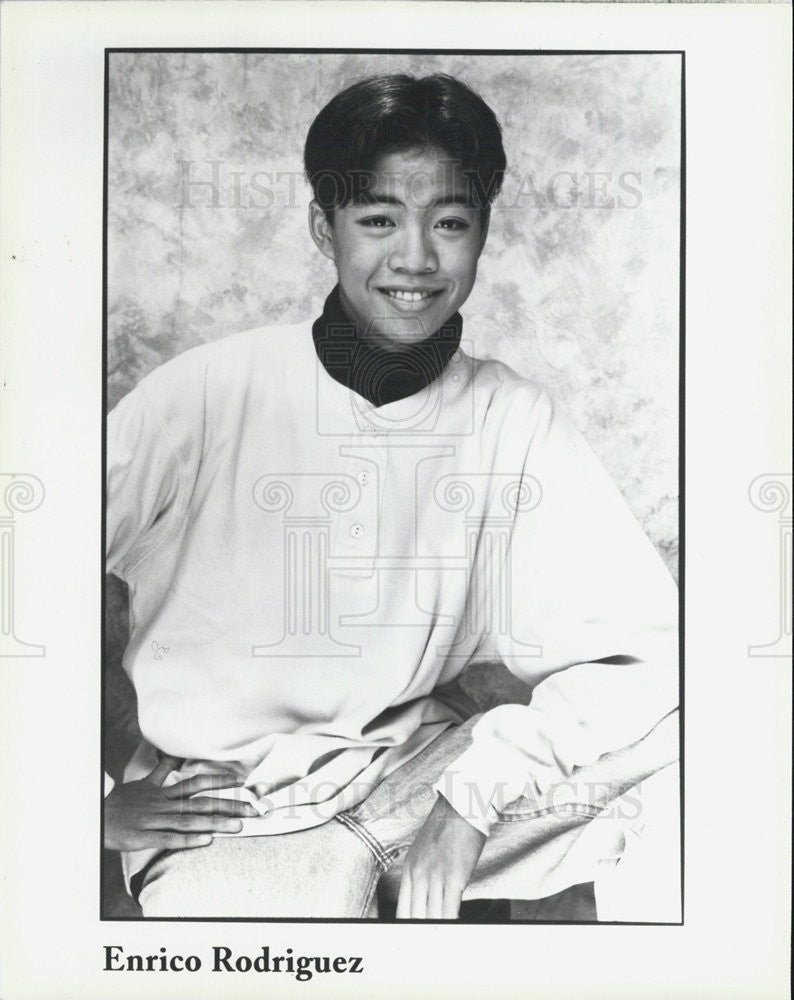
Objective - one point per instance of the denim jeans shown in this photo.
(615, 823)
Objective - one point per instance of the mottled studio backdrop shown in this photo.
(578, 286)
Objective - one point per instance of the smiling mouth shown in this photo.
(405, 295)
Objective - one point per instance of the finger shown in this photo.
(404, 898)
(435, 897)
(173, 841)
(450, 909)
(418, 898)
(163, 769)
(209, 806)
(192, 823)
(202, 783)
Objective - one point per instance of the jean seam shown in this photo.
(572, 809)
(372, 843)
(373, 882)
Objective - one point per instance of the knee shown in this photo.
(643, 884)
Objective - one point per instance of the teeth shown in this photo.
(407, 296)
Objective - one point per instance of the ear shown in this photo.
(322, 231)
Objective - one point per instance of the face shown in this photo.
(406, 253)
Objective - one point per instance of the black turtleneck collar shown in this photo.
(378, 375)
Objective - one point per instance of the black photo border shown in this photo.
(108, 52)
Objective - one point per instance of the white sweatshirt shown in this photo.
(306, 569)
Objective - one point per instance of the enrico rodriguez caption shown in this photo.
(302, 967)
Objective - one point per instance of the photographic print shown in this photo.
(392, 485)
(395, 499)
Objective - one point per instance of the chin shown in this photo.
(390, 343)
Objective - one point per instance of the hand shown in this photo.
(143, 814)
(438, 865)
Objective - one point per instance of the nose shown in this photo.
(412, 251)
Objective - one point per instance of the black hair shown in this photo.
(387, 114)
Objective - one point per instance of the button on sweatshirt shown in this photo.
(307, 569)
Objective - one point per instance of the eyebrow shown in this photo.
(369, 198)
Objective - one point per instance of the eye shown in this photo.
(376, 222)
(453, 225)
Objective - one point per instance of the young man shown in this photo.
(322, 525)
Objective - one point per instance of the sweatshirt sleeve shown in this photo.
(591, 626)
(154, 443)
